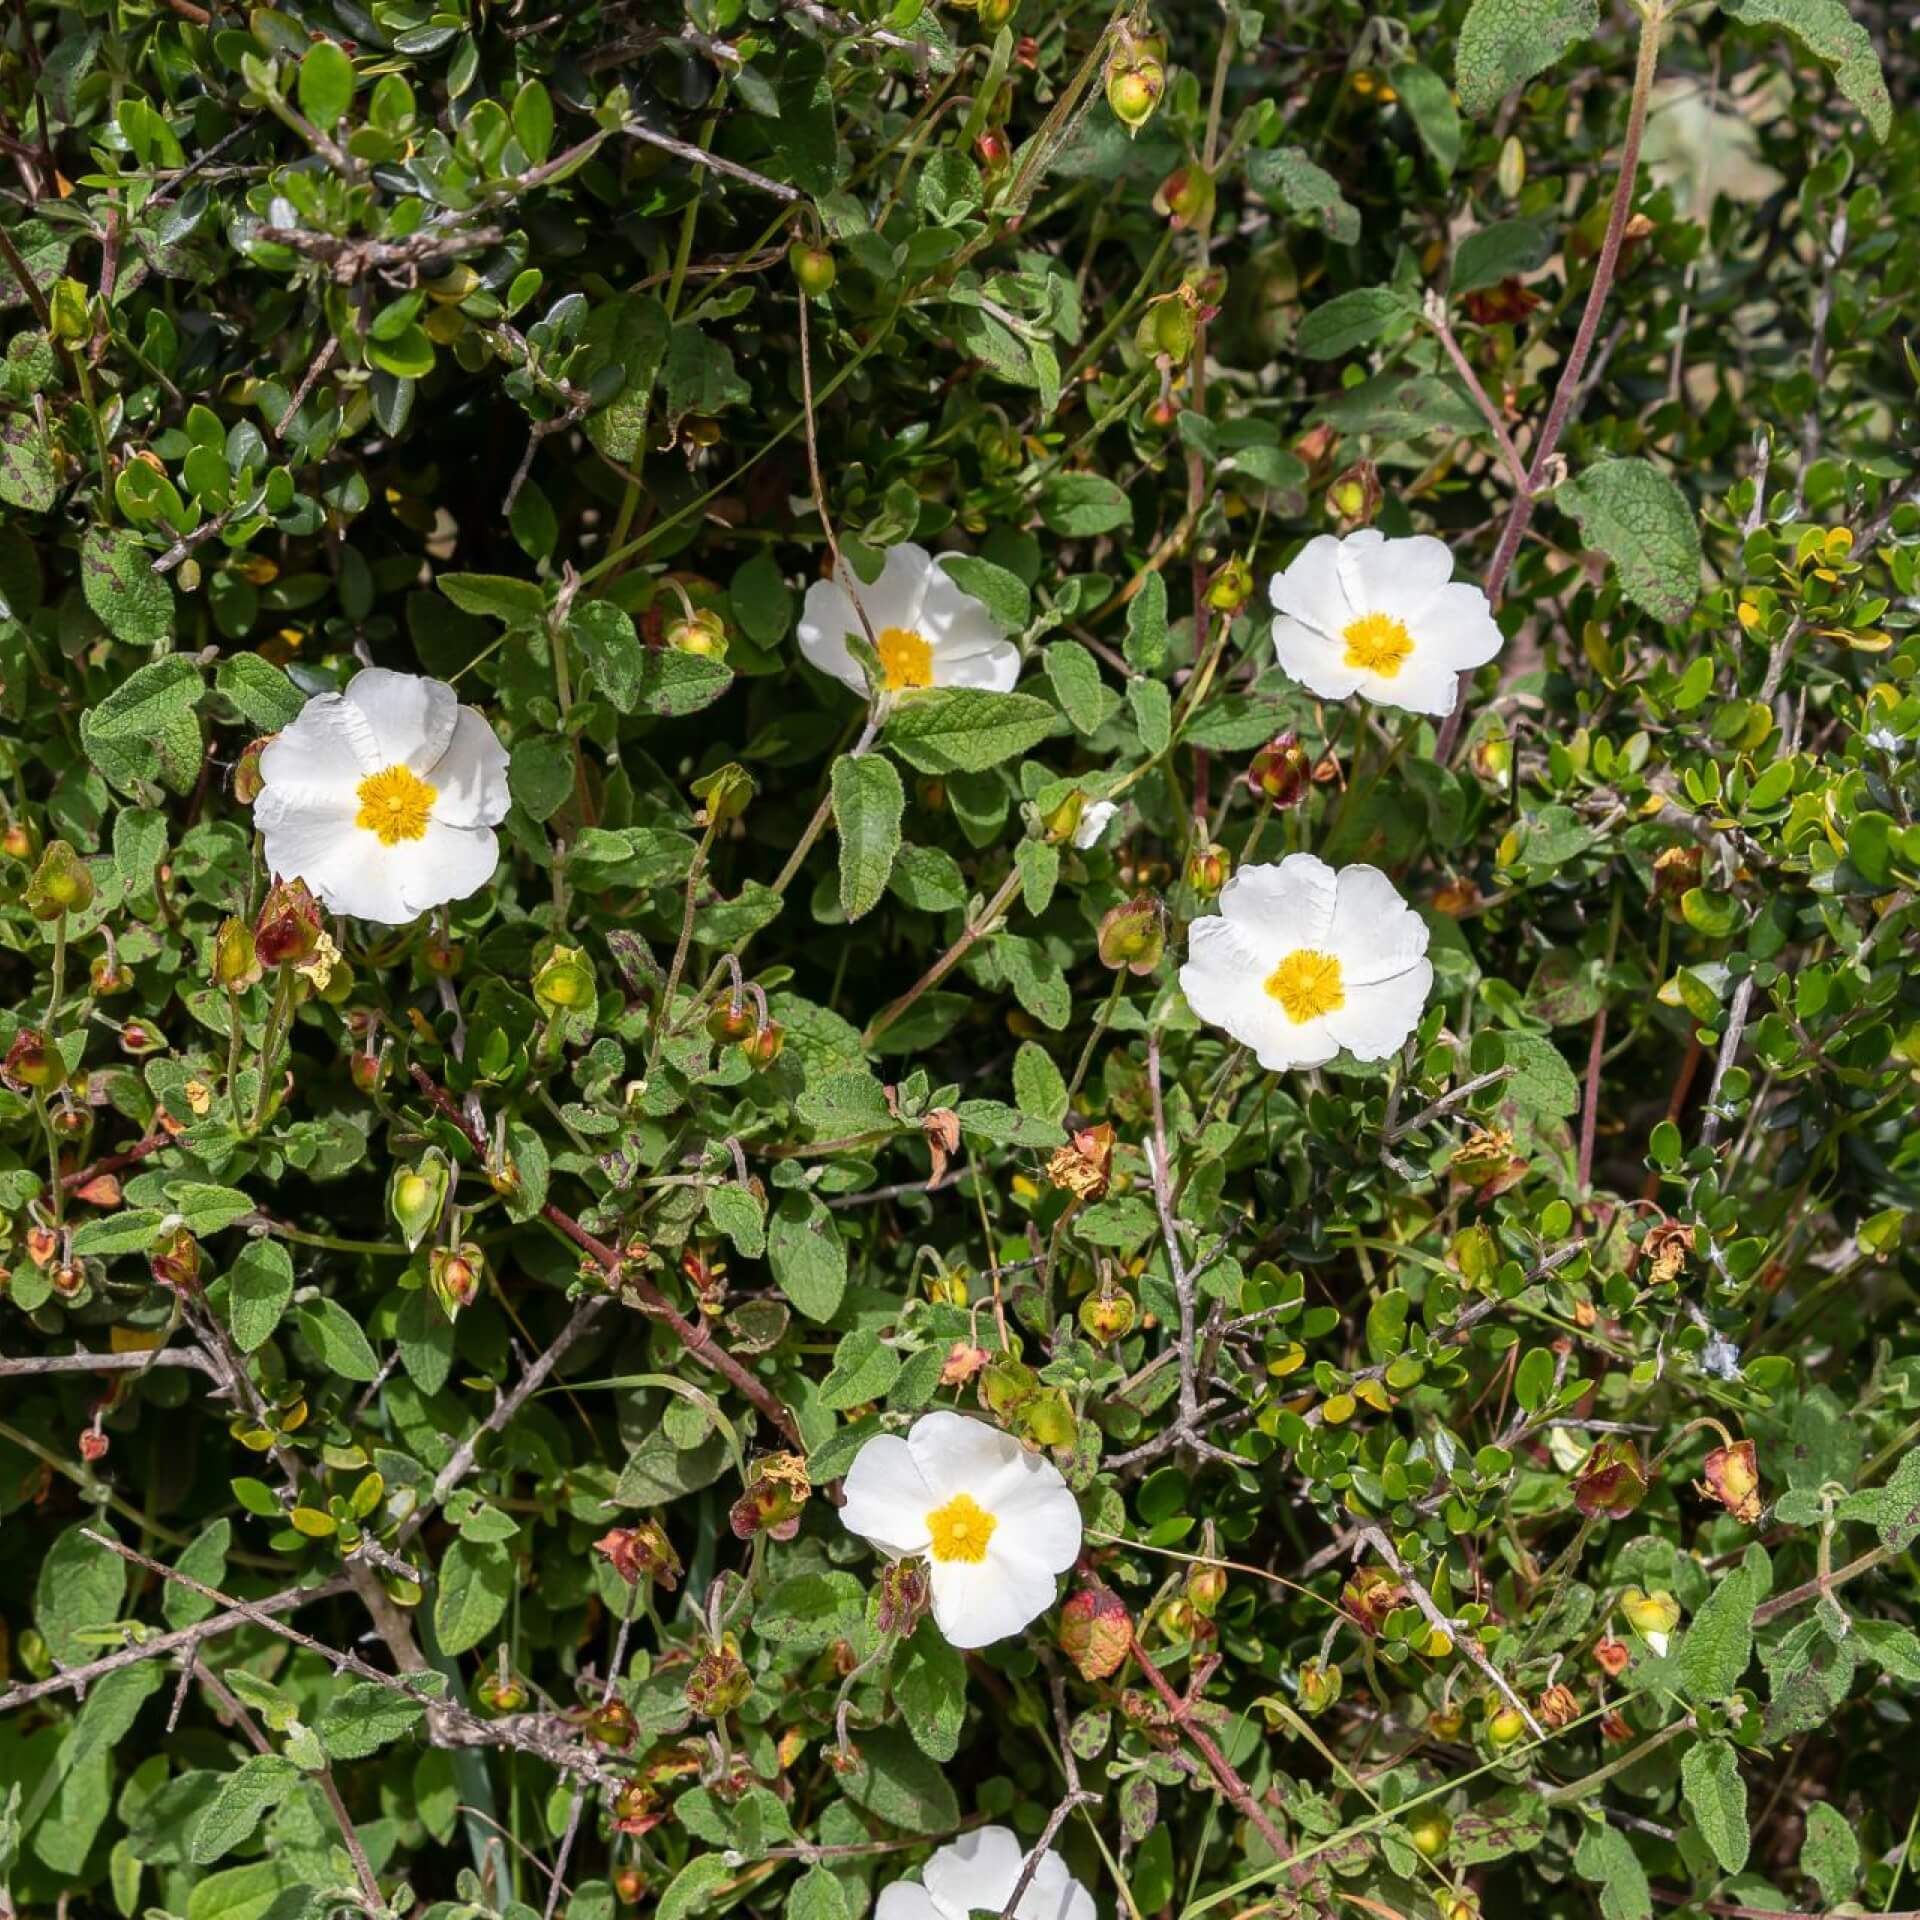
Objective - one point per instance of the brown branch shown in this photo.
(1229, 1782)
(110, 1362)
(1075, 1796)
(113, 1162)
(632, 1284)
(161, 1644)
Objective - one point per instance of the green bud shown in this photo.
(813, 267)
(61, 883)
(67, 306)
(1511, 174)
(417, 1195)
(236, 966)
(1006, 1385)
(1134, 935)
(726, 791)
(1047, 1419)
(564, 982)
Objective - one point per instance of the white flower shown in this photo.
(1301, 961)
(1376, 616)
(383, 799)
(927, 632)
(978, 1872)
(995, 1522)
(1095, 818)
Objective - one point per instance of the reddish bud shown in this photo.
(1733, 1478)
(288, 930)
(1613, 1479)
(1281, 771)
(1096, 1632)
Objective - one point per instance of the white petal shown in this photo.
(315, 757)
(897, 597)
(976, 1602)
(445, 863)
(1289, 903)
(1458, 624)
(1310, 590)
(1225, 978)
(980, 1869)
(1375, 935)
(1375, 1021)
(996, 668)
(1095, 817)
(950, 615)
(1421, 686)
(470, 778)
(826, 618)
(318, 843)
(1393, 576)
(887, 1497)
(956, 1454)
(411, 717)
(1037, 1518)
(906, 1900)
(1316, 659)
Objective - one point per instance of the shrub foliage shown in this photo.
(435, 1360)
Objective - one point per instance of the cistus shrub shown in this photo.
(958, 958)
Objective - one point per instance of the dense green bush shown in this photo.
(777, 1266)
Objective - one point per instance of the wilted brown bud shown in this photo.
(777, 1491)
(288, 930)
(1485, 1161)
(1281, 771)
(903, 1592)
(1096, 1632)
(34, 1063)
(1084, 1166)
(1371, 1595)
(1558, 1707)
(1667, 1250)
(642, 1550)
(16, 840)
(107, 976)
(1500, 305)
(1612, 1480)
(1732, 1476)
(963, 1361)
(636, 1809)
(93, 1445)
(1676, 872)
(1614, 1727)
(176, 1262)
(42, 1244)
(103, 1190)
(610, 1726)
(729, 1022)
(941, 1129)
(1611, 1655)
(1134, 935)
(719, 1681)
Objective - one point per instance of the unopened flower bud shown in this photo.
(641, 1551)
(719, 1681)
(236, 966)
(1612, 1480)
(1135, 81)
(93, 1445)
(176, 1262)
(288, 929)
(1511, 174)
(1611, 1655)
(1167, 328)
(1319, 1686)
(636, 1809)
(454, 1275)
(1007, 1384)
(564, 982)
(16, 840)
(1046, 1419)
(1208, 868)
(1206, 1588)
(1430, 1832)
(726, 792)
(777, 1491)
(1653, 1616)
(1282, 771)
(611, 1726)
(417, 1195)
(731, 1021)
(1108, 1314)
(138, 1039)
(1187, 198)
(702, 632)
(902, 1594)
(1505, 1728)
(1096, 1632)
(813, 268)
(1134, 935)
(1231, 586)
(34, 1063)
(61, 883)
(1353, 497)
(248, 782)
(502, 1693)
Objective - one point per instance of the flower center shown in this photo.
(961, 1529)
(1307, 984)
(907, 658)
(395, 804)
(1377, 643)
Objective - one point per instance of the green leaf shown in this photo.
(673, 683)
(325, 85)
(1147, 627)
(1634, 514)
(540, 774)
(1077, 685)
(476, 1582)
(1077, 505)
(148, 727)
(258, 690)
(1605, 1856)
(897, 1783)
(1506, 248)
(1004, 595)
(868, 804)
(364, 1718)
(817, 1895)
(203, 1558)
(80, 1586)
(1350, 320)
(1714, 1651)
(811, 1611)
(607, 642)
(334, 1334)
(259, 1286)
(1152, 706)
(742, 1217)
(131, 601)
(27, 479)
(1504, 43)
(966, 729)
(1542, 1082)
(1831, 34)
(497, 596)
(1830, 1853)
(1038, 1085)
(864, 1367)
(622, 347)
(701, 377)
(1717, 1799)
(252, 1789)
(689, 1889)
(808, 1257)
(1285, 177)
(931, 1692)
(131, 1232)
(1429, 104)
